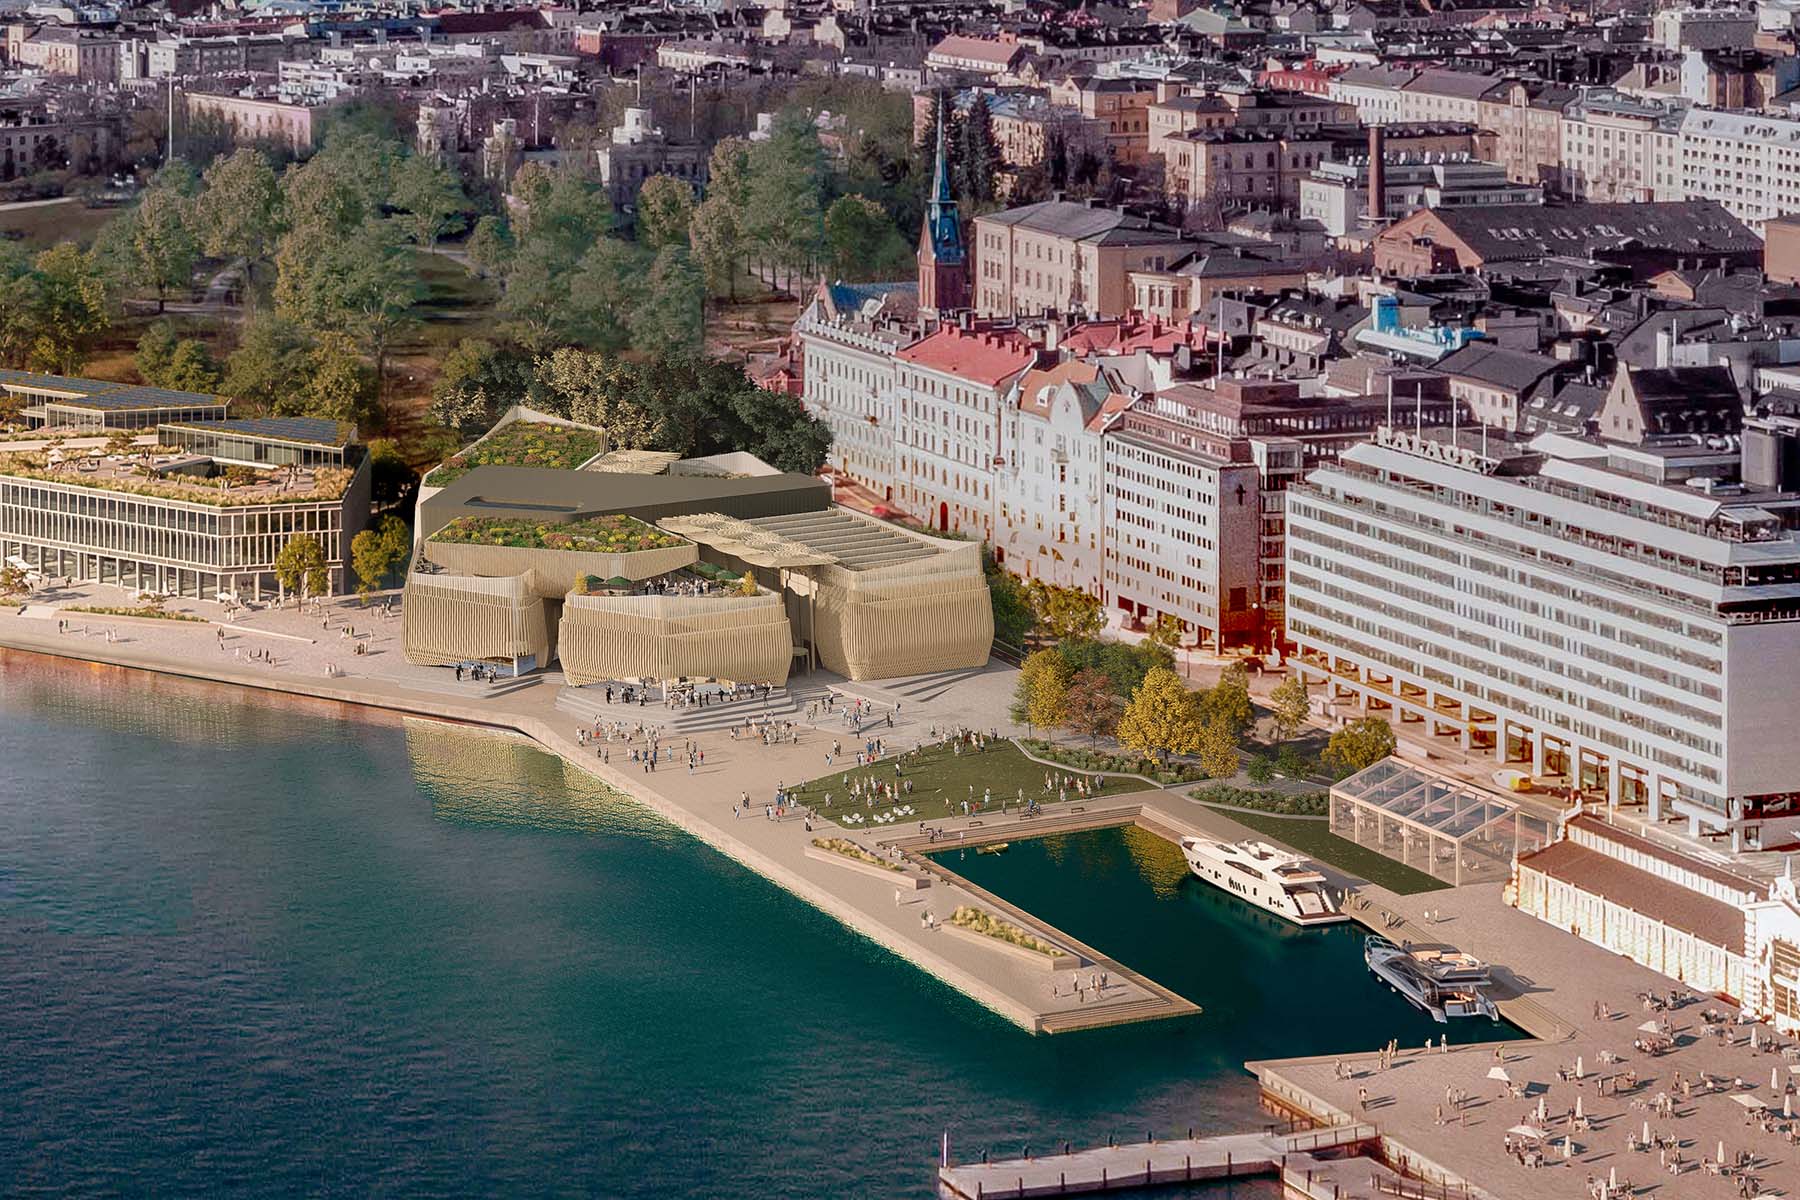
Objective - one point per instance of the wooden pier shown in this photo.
(1179, 1160)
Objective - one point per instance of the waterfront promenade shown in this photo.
(1551, 980)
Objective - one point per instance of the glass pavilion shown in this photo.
(1450, 829)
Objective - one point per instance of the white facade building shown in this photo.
(1544, 605)
(1619, 149)
(1748, 162)
(847, 336)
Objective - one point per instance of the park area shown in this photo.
(993, 777)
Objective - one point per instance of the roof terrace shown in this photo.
(170, 473)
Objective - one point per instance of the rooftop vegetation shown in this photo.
(596, 535)
(522, 444)
(239, 487)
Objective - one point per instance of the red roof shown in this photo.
(1128, 335)
(981, 356)
(1038, 385)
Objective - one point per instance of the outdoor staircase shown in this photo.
(589, 704)
(910, 689)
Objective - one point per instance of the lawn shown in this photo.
(941, 781)
(44, 225)
(1315, 839)
(523, 444)
(611, 534)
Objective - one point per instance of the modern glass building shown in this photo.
(209, 517)
(54, 402)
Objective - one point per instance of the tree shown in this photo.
(390, 476)
(1123, 663)
(19, 307)
(1162, 718)
(375, 551)
(1091, 707)
(300, 568)
(1035, 664)
(154, 349)
(338, 386)
(1292, 706)
(671, 316)
(238, 215)
(1218, 750)
(861, 241)
(1362, 743)
(782, 211)
(1013, 618)
(980, 154)
(74, 307)
(13, 582)
(490, 246)
(1047, 707)
(159, 242)
(718, 243)
(477, 380)
(190, 368)
(665, 209)
(1165, 632)
(266, 372)
(596, 390)
(1228, 704)
(600, 301)
(430, 199)
(1065, 612)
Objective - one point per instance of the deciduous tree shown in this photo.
(430, 199)
(1218, 750)
(1292, 706)
(665, 209)
(74, 308)
(1065, 612)
(1361, 743)
(595, 390)
(671, 315)
(376, 551)
(301, 568)
(1092, 706)
(1047, 707)
(238, 214)
(861, 241)
(1228, 704)
(1162, 718)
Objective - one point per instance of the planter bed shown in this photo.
(1023, 954)
(901, 879)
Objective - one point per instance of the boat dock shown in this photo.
(1320, 1163)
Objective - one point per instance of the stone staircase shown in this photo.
(589, 704)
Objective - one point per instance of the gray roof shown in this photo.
(1528, 232)
(1067, 218)
(1486, 363)
(558, 496)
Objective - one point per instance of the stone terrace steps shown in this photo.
(590, 704)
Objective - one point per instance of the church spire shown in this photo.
(943, 258)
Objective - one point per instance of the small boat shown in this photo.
(992, 848)
(1445, 983)
(1276, 881)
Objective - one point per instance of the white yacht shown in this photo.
(1445, 983)
(1276, 881)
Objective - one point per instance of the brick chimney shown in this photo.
(1377, 175)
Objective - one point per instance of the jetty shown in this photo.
(1319, 1163)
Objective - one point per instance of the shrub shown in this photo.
(522, 444)
(1304, 804)
(850, 849)
(612, 534)
(1259, 769)
(973, 919)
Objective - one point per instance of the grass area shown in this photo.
(1083, 759)
(942, 780)
(611, 534)
(44, 225)
(1315, 839)
(523, 444)
(988, 925)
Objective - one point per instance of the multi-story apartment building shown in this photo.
(1570, 603)
(1526, 117)
(1119, 106)
(1748, 162)
(1062, 256)
(847, 335)
(1441, 95)
(1621, 149)
(205, 512)
(1242, 166)
(1374, 91)
(1050, 522)
(1195, 488)
(951, 391)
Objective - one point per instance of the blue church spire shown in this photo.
(943, 226)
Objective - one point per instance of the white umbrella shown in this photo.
(1646, 1129)
(1542, 1110)
(1568, 1148)
(1787, 1106)
(1774, 1080)
(1750, 1102)
(1530, 1131)
(1500, 1074)
(1580, 1067)
(1578, 1113)
(1612, 1179)
(1649, 1027)
(1721, 1155)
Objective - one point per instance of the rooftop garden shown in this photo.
(237, 487)
(594, 535)
(522, 444)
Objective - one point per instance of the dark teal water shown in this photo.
(1268, 989)
(258, 949)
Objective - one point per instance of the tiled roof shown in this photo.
(1038, 387)
(981, 356)
(1497, 367)
(1639, 845)
(1066, 218)
(1712, 921)
(998, 54)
